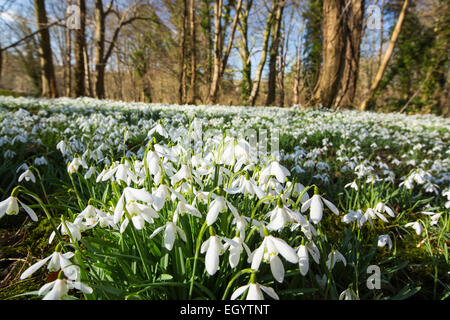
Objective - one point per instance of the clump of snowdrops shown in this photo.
(191, 215)
(200, 217)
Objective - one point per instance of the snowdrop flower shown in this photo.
(434, 217)
(139, 213)
(160, 196)
(303, 253)
(348, 294)
(213, 248)
(268, 252)
(333, 257)
(159, 129)
(62, 146)
(294, 190)
(128, 196)
(183, 173)
(254, 292)
(121, 173)
(352, 185)
(27, 175)
(316, 205)
(73, 228)
(303, 259)
(274, 169)
(153, 159)
(218, 205)
(235, 248)
(89, 173)
(352, 216)
(381, 207)
(417, 226)
(58, 261)
(383, 240)
(40, 161)
(10, 207)
(59, 288)
(246, 186)
(282, 215)
(75, 164)
(170, 232)
(447, 193)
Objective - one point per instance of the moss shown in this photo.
(21, 287)
(33, 241)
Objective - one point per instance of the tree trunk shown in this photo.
(99, 50)
(244, 52)
(262, 61)
(182, 76)
(218, 46)
(333, 45)
(353, 22)
(194, 93)
(298, 68)
(387, 57)
(68, 63)
(80, 44)
(45, 51)
(273, 53)
(88, 72)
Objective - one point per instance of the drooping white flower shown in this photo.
(348, 294)
(10, 206)
(315, 204)
(352, 185)
(274, 169)
(381, 207)
(235, 248)
(128, 196)
(75, 164)
(159, 129)
(282, 215)
(247, 187)
(73, 229)
(218, 205)
(59, 289)
(268, 252)
(58, 261)
(28, 176)
(417, 226)
(352, 216)
(62, 146)
(303, 259)
(213, 248)
(170, 232)
(383, 240)
(254, 292)
(333, 257)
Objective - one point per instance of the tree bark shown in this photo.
(262, 61)
(68, 62)
(45, 51)
(218, 46)
(244, 52)
(99, 50)
(298, 68)
(273, 53)
(194, 94)
(386, 58)
(353, 22)
(182, 76)
(333, 45)
(80, 44)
